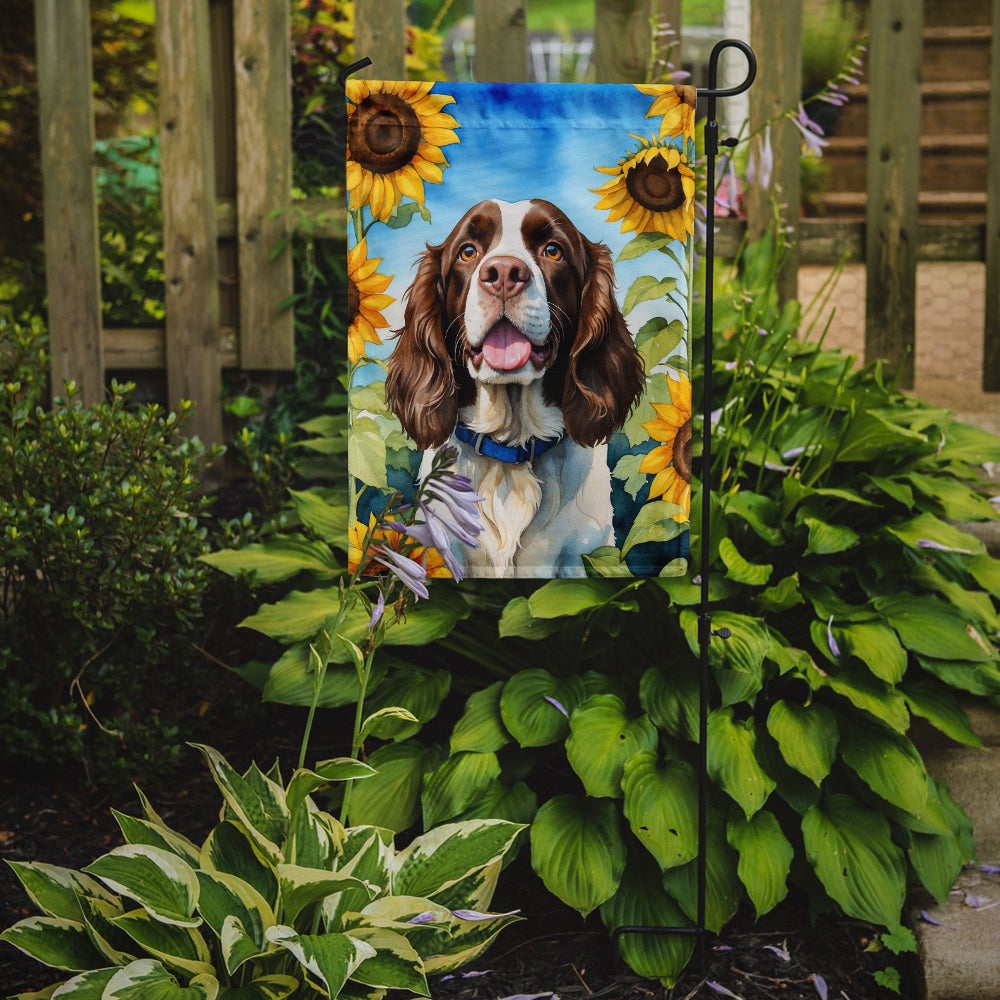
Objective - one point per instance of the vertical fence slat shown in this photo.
(380, 34)
(261, 57)
(991, 332)
(621, 40)
(776, 35)
(501, 41)
(892, 214)
(72, 257)
(190, 253)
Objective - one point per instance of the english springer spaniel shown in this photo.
(514, 350)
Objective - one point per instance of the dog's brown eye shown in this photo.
(467, 252)
(553, 251)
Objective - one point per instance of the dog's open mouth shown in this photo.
(506, 349)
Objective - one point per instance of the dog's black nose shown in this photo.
(504, 277)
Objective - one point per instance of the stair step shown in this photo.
(956, 52)
(966, 206)
(943, 103)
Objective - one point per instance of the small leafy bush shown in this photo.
(280, 899)
(101, 584)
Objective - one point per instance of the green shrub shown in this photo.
(101, 584)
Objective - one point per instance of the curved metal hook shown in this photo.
(713, 69)
(348, 70)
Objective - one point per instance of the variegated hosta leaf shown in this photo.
(315, 838)
(642, 902)
(765, 858)
(54, 941)
(230, 849)
(807, 736)
(732, 760)
(256, 801)
(441, 857)
(367, 853)
(395, 964)
(275, 987)
(329, 959)
(141, 831)
(850, 847)
(301, 887)
(116, 947)
(86, 986)
(158, 880)
(578, 851)
(475, 891)
(602, 737)
(224, 898)
(467, 941)
(481, 727)
(56, 891)
(177, 947)
(661, 805)
(304, 782)
(149, 980)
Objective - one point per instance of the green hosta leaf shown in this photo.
(279, 558)
(723, 889)
(391, 798)
(828, 539)
(661, 798)
(330, 959)
(275, 987)
(481, 728)
(941, 709)
(958, 502)
(876, 646)
(765, 858)
(602, 738)
(147, 979)
(732, 760)
(301, 887)
(655, 523)
(976, 678)
(456, 784)
(180, 948)
(888, 763)
(850, 847)
(56, 891)
(965, 443)
(578, 851)
(937, 858)
(54, 941)
(225, 897)
(304, 782)
(417, 690)
(783, 595)
(671, 700)
(517, 620)
(986, 572)
(807, 736)
(230, 849)
(931, 628)
(870, 436)
(760, 512)
(141, 831)
(327, 520)
(395, 964)
(559, 598)
(928, 528)
(738, 661)
(159, 881)
(440, 858)
(516, 803)
(641, 901)
(866, 692)
(366, 453)
(260, 809)
(530, 706)
(738, 569)
(292, 680)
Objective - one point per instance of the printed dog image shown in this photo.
(514, 350)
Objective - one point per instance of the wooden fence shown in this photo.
(226, 161)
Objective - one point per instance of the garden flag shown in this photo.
(519, 279)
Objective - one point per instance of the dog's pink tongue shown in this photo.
(505, 347)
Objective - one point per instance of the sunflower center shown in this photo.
(656, 186)
(353, 301)
(383, 134)
(682, 451)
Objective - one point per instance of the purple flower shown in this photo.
(834, 648)
(459, 529)
(811, 132)
(558, 705)
(409, 572)
(427, 917)
(760, 163)
(780, 952)
(431, 534)
(377, 612)
(927, 543)
(820, 983)
(719, 988)
(475, 915)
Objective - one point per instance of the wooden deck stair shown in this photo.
(955, 92)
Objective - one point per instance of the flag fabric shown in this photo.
(519, 283)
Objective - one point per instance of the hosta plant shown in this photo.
(279, 900)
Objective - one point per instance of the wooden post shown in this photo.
(261, 57)
(72, 255)
(893, 183)
(776, 35)
(621, 40)
(190, 253)
(501, 38)
(665, 14)
(991, 333)
(380, 34)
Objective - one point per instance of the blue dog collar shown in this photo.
(485, 445)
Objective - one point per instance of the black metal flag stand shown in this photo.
(705, 631)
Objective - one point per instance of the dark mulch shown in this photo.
(551, 952)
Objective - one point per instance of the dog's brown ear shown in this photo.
(420, 382)
(605, 375)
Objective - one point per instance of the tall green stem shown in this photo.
(357, 738)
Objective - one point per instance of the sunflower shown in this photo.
(671, 461)
(651, 190)
(676, 104)
(357, 536)
(364, 300)
(395, 132)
